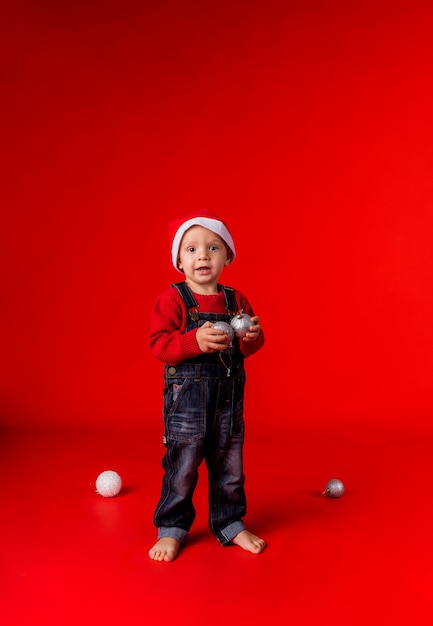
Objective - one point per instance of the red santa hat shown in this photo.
(204, 217)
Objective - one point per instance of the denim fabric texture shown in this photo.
(203, 421)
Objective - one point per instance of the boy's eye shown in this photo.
(191, 249)
(213, 248)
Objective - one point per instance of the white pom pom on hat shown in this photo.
(206, 218)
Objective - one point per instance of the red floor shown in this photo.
(69, 556)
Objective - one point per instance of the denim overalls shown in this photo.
(203, 419)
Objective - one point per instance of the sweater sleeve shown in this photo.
(168, 340)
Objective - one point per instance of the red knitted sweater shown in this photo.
(168, 340)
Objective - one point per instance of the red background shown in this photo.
(308, 125)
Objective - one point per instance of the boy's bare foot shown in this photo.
(250, 542)
(165, 549)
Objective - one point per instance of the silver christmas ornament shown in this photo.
(224, 326)
(241, 324)
(334, 488)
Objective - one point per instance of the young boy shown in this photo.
(204, 380)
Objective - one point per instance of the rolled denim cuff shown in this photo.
(230, 532)
(173, 532)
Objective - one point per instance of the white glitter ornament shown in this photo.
(241, 324)
(226, 328)
(108, 484)
(334, 488)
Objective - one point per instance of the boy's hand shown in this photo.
(211, 339)
(254, 330)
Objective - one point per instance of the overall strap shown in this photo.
(191, 303)
(230, 300)
(188, 299)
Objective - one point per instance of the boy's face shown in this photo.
(202, 255)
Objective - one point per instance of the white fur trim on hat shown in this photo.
(215, 226)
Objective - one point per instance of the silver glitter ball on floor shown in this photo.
(241, 324)
(224, 326)
(334, 488)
